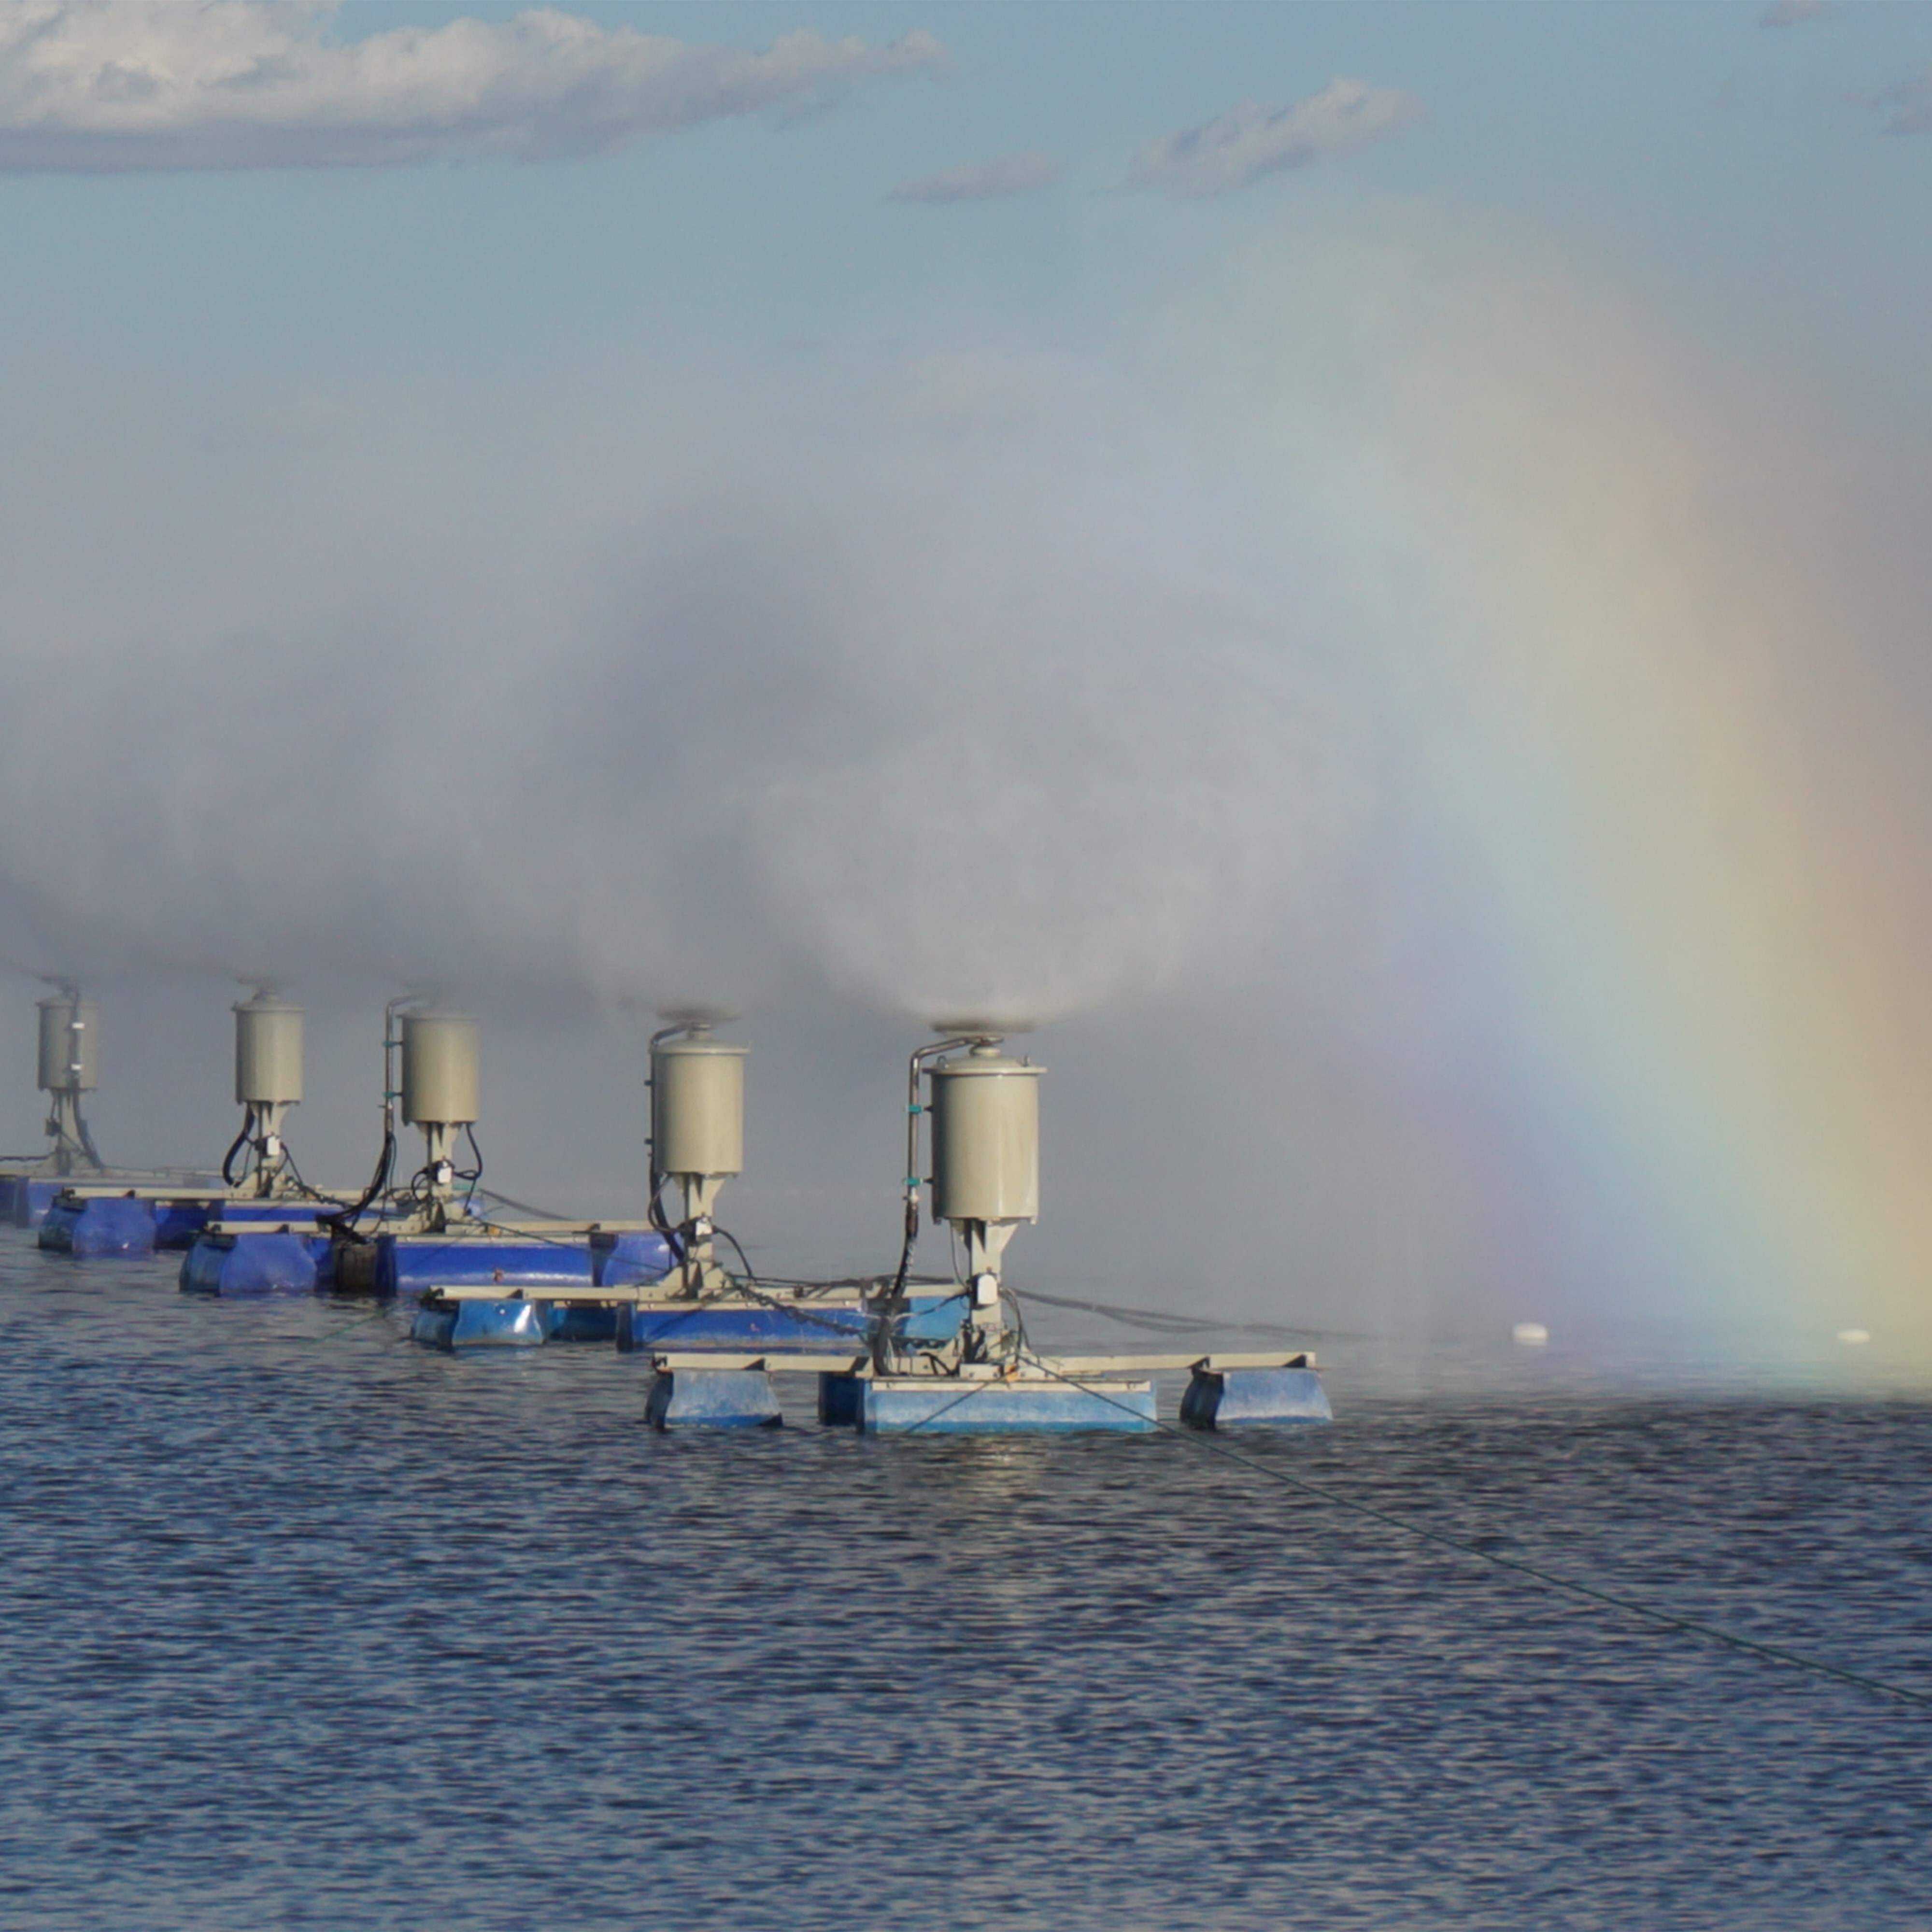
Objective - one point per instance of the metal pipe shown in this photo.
(895, 1302)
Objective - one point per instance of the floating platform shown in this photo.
(92, 1227)
(814, 1324)
(1052, 1395)
(443, 1320)
(1221, 1395)
(27, 1196)
(460, 1315)
(1046, 1395)
(251, 1262)
(94, 1220)
(264, 1247)
(714, 1389)
(99, 1221)
(988, 1404)
(505, 1256)
(712, 1399)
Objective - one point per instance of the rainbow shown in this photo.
(1642, 689)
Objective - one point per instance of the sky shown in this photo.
(1361, 567)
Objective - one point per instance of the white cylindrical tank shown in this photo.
(70, 1045)
(697, 1104)
(440, 1081)
(985, 1137)
(267, 1051)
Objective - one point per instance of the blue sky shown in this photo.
(1729, 166)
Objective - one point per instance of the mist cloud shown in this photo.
(100, 85)
(982, 696)
(1235, 149)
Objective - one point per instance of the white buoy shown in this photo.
(1530, 1334)
(1854, 1336)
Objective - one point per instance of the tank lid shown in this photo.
(985, 1057)
(700, 1040)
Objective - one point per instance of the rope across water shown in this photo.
(1665, 1619)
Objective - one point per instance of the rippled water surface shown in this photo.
(303, 1625)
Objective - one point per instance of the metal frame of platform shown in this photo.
(1051, 1394)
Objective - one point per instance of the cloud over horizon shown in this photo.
(982, 180)
(1235, 149)
(99, 86)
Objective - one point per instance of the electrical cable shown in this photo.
(379, 1182)
(228, 1177)
(307, 1192)
(1666, 1619)
(738, 1249)
(860, 1338)
(470, 1176)
(1019, 1318)
(1162, 1322)
(521, 1206)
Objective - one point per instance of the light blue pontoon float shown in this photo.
(1030, 1393)
(643, 1318)
(110, 1219)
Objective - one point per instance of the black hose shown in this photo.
(302, 1187)
(673, 1237)
(738, 1249)
(342, 1224)
(228, 1159)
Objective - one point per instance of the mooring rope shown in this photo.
(973, 1389)
(1667, 1619)
(343, 1328)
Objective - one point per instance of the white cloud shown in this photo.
(980, 181)
(1250, 140)
(1906, 104)
(1790, 12)
(96, 85)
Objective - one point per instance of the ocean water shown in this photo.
(301, 1625)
